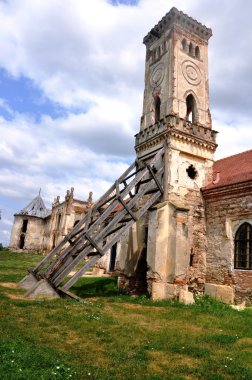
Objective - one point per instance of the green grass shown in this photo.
(113, 336)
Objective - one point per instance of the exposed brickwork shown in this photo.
(197, 269)
(132, 285)
(226, 209)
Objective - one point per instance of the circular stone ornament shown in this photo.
(157, 75)
(191, 72)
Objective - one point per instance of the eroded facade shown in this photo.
(38, 229)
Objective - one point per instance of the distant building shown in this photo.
(38, 229)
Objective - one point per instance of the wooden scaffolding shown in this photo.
(140, 186)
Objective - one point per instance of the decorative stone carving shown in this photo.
(157, 75)
(191, 72)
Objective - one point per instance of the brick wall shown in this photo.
(226, 209)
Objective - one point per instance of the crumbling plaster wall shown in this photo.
(34, 235)
(224, 216)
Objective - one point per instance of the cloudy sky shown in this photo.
(71, 86)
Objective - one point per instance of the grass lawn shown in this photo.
(112, 336)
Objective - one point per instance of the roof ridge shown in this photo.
(233, 155)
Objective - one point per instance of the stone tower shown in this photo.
(176, 71)
(176, 115)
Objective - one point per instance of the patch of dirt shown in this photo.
(244, 342)
(12, 285)
(170, 361)
(16, 296)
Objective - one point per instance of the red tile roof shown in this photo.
(232, 170)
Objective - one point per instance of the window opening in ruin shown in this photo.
(192, 172)
(157, 109)
(24, 226)
(58, 222)
(76, 222)
(243, 247)
(22, 241)
(197, 52)
(191, 258)
(112, 257)
(54, 241)
(184, 44)
(190, 48)
(190, 109)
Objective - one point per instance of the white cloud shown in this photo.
(88, 57)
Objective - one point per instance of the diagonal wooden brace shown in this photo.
(160, 187)
(93, 243)
(127, 208)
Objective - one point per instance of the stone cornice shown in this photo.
(234, 190)
(173, 126)
(176, 17)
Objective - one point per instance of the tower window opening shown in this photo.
(197, 52)
(192, 172)
(191, 109)
(184, 44)
(191, 48)
(24, 226)
(157, 109)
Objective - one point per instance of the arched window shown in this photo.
(191, 109)
(157, 109)
(191, 48)
(197, 52)
(243, 247)
(184, 44)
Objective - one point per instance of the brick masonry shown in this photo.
(226, 209)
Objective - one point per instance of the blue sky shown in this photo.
(71, 87)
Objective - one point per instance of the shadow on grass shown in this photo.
(96, 286)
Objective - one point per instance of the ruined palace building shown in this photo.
(181, 221)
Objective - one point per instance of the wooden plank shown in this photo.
(65, 292)
(60, 276)
(127, 208)
(123, 213)
(68, 251)
(58, 247)
(94, 244)
(155, 179)
(81, 271)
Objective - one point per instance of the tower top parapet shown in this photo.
(176, 17)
